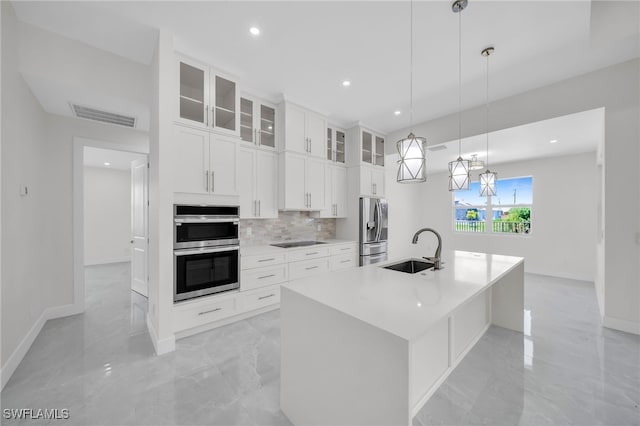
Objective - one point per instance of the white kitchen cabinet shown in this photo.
(335, 192)
(371, 181)
(203, 162)
(207, 98)
(302, 182)
(257, 122)
(365, 147)
(258, 183)
(304, 131)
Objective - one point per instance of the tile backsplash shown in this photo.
(289, 226)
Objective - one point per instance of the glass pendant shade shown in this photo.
(412, 160)
(488, 183)
(459, 175)
(475, 164)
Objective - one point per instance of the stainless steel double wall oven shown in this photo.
(206, 258)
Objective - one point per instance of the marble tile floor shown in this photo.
(101, 366)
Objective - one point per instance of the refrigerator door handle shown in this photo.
(378, 220)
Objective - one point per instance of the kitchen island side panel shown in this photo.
(338, 370)
(507, 300)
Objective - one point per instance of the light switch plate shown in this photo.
(249, 232)
(24, 190)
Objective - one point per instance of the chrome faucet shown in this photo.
(435, 259)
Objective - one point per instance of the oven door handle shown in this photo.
(205, 250)
(204, 220)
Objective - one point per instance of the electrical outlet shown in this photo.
(249, 232)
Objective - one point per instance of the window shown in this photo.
(508, 212)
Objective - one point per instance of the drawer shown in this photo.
(344, 261)
(308, 268)
(309, 253)
(343, 249)
(196, 314)
(248, 262)
(257, 299)
(261, 277)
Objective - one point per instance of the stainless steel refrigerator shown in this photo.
(373, 230)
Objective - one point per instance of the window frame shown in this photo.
(489, 208)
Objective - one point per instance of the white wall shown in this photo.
(37, 150)
(563, 238)
(617, 89)
(107, 215)
(25, 275)
(159, 319)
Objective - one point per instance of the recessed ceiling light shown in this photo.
(254, 31)
(553, 141)
(397, 112)
(346, 83)
(107, 164)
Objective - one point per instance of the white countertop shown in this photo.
(268, 249)
(406, 304)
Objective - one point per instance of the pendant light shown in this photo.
(412, 149)
(459, 169)
(475, 164)
(488, 178)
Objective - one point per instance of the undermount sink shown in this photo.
(410, 266)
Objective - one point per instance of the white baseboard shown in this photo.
(18, 354)
(161, 346)
(94, 262)
(621, 325)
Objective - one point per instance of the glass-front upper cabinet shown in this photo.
(267, 137)
(257, 122)
(367, 147)
(206, 98)
(246, 120)
(225, 105)
(340, 147)
(194, 93)
(379, 151)
(336, 145)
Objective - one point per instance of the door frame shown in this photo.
(79, 143)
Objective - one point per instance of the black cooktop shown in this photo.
(297, 244)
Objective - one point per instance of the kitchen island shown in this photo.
(369, 346)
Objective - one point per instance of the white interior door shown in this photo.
(139, 228)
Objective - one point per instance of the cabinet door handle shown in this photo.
(345, 261)
(206, 180)
(259, 137)
(267, 276)
(267, 296)
(310, 140)
(309, 200)
(206, 112)
(311, 253)
(255, 135)
(345, 248)
(213, 116)
(254, 208)
(209, 312)
(271, 259)
(310, 268)
(213, 181)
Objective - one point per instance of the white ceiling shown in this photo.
(119, 160)
(574, 133)
(308, 47)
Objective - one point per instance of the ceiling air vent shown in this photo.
(103, 116)
(437, 148)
